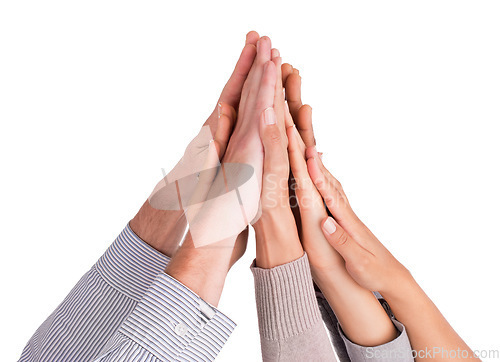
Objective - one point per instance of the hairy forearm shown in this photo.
(161, 229)
(202, 269)
(426, 326)
(359, 313)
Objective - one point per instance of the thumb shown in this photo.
(226, 119)
(347, 247)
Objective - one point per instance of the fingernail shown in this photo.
(269, 116)
(219, 109)
(329, 226)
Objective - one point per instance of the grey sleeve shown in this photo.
(398, 349)
(290, 324)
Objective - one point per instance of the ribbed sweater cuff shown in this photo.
(286, 302)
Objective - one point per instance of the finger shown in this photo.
(293, 93)
(279, 98)
(255, 75)
(341, 241)
(335, 201)
(225, 125)
(311, 152)
(265, 96)
(286, 70)
(304, 125)
(298, 163)
(276, 167)
(263, 50)
(252, 37)
(232, 90)
(289, 122)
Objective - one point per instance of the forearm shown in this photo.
(202, 269)
(362, 318)
(426, 326)
(161, 229)
(277, 239)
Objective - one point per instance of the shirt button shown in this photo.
(181, 329)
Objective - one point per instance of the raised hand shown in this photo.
(277, 240)
(361, 316)
(203, 266)
(161, 221)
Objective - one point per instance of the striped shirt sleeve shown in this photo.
(105, 315)
(170, 323)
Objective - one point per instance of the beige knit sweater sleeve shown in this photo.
(290, 323)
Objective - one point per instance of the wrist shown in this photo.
(402, 287)
(203, 269)
(277, 240)
(332, 279)
(161, 229)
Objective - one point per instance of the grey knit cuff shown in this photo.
(286, 302)
(397, 350)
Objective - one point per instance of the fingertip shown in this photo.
(269, 67)
(311, 152)
(277, 61)
(286, 68)
(252, 37)
(265, 39)
(306, 108)
(314, 171)
(294, 79)
(264, 48)
(275, 53)
(304, 117)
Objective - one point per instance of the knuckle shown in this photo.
(342, 238)
(361, 265)
(274, 136)
(329, 200)
(320, 182)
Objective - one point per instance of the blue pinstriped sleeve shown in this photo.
(127, 284)
(170, 323)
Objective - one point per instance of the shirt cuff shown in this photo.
(286, 302)
(130, 265)
(399, 349)
(171, 321)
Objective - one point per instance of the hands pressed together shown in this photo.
(296, 206)
(254, 162)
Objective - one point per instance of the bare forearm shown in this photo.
(276, 239)
(426, 326)
(203, 269)
(359, 313)
(161, 229)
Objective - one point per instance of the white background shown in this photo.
(97, 96)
